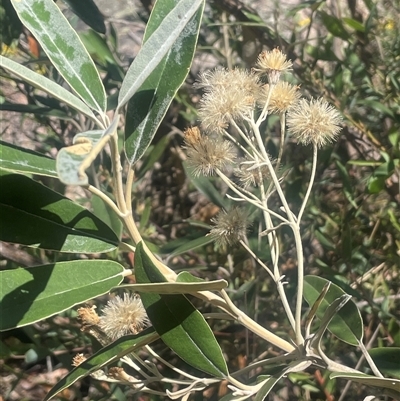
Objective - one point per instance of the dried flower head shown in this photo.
(250, 175)
(230, 227)
(78, 359)
(123, 316)
(314, 121)
(119, 374)
(283, 96)
(205, 154)
(88, 316)
(229, 94)
(272, 63)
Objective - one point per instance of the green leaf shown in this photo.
(148, 106)
(105, 213)
(157, 46)
(74, 160)
(107, 355)
(356, 25)
(30, 295)
(186, 245)
(347, 324)
(35, 109)
(89, 13)
(98, 48)
(205, 186)
(46, 85)
(376, 184)
(390, 386)
(334, 25)
(183, 287)
(70, 159)
(34, 215)
(16, 159)
(64, 48)
(154, 153)
(179, 324)
(348, 187)
(387, 360)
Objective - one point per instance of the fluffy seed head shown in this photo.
(230, 227)
(228, 94)
(314, 121)
(123, 316)
(206, 155)
(249, 176)
(272, 63)
(283, 96)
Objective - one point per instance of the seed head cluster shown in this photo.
(283, 97)
(122, 316)
(228, 94)
(314, 121)
(272, 64)
(229, 227)
(205, 154)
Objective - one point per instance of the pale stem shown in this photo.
(128, 187)
(300, 282)
(237, 143)
(282, 139)
(296, 233)
(256, 328)
(274, 248)
(181, 372)
(264, 112)
(255, 202)
(93, 154)
(257, 259)
(310, 184)
(246, 139)
(105, 199)
(117, 174)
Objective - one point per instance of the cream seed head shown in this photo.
(249, 176)
(273, 64)
(230, 227)
(123, 316)
(229, 94)
(314, 121)
(283, 96)
(206, 155)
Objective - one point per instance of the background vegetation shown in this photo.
(347, 52)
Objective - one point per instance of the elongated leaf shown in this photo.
(101, 53)
(347, 324)
(34, 215)
(35, 109)
(178, 323)
(393, 385)
(105, 356)
(387, 359)
(156, 47)
(147, 107)
(89, 13)
(71, 158)
(16, 159)
(64, 48)
(178, 287)
(186, 245)
(30, 295)
(334, 25)
(46, 85)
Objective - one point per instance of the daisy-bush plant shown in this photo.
(230, 144)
